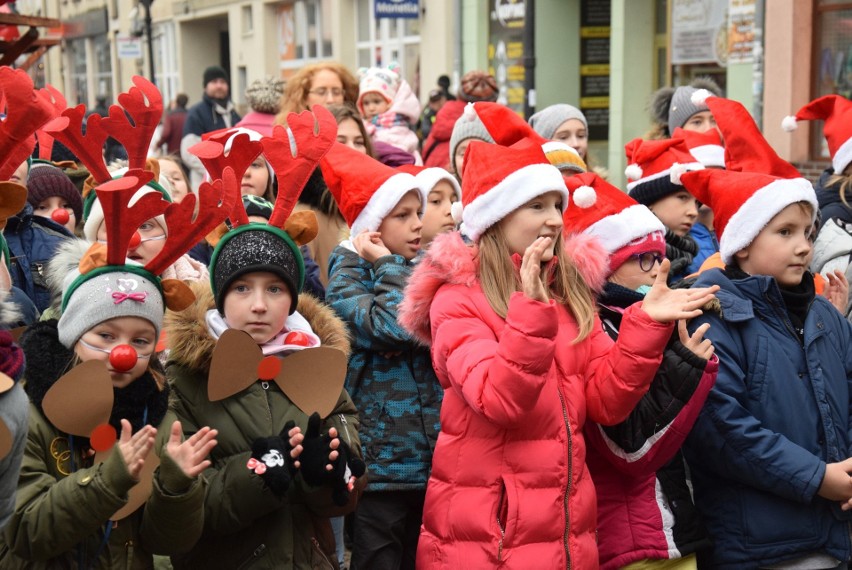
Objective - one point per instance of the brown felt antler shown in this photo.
(215, 203)
(26, 112)
(57, 100)
(313, 133)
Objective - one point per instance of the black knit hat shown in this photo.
(45, 180)
(257, 206)
(214, 72)
(252, 248)
(654, 189)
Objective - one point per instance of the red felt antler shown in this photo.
(215, 203)
(239, 157)
(26, 112)
(86, 143)
(120, 217)
(313, 133)
(57, 100)
(136, 136)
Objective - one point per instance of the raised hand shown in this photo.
(666, 305)
(697, 344)
(191, 455)
(370, 246)
(531, 281)
(134, 448)
(837, 290)
(327, 460)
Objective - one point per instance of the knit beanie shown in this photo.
(683, 107)
(46, 181)
(105, 293)
(11, 357)
(214, 72)
(382, 80)
(253, 248)
(468, 126)
(546, 121)
(264, 95)
(478, 86)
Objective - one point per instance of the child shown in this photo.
(673, 107)
(523, 361)
(645, 509)
(13, 413)
(390, 375)
(769, 452)
(52, 195)
(260, 512)
(75, 507)
(172, 169)
(442, 191)
(652, 167)
(389, 107)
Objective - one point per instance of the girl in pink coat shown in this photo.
(524, 362)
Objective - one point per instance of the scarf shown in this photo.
(680, 250)
(216, 325)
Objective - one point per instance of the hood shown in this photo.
(445, 120)
(65, 261)
(831, 248)
(451, 261)
(192, 346)
(405, 103)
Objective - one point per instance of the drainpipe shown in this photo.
(457, 56)
(757, 65)
(529, 59)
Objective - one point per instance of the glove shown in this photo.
(270, 459)
(314, 458)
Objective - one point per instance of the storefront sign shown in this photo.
(397, 9)
(699, 31)
(594, 66)
(128, 47)
(741, 31)
(506, 51)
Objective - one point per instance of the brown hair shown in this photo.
(297, 87)
(348, 111)
(179, 163)
(499, 279)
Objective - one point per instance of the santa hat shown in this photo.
(428, 178)
(365, 189)
(756, 186)
(498, 180)
(836, 111)
(382, 80)
(622, 225)
(706, 147)
(654, 168)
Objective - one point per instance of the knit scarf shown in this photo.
(680, 250)
(224, 108)
(216, 326)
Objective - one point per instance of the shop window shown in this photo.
(79, 77)
(380, 42)
(832, 61)
(304, 33)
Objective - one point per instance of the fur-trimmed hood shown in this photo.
(191, 345)
(65, 261)
(451, 261)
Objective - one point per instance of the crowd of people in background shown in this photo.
(351, 329)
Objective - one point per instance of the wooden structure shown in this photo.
(29, 42)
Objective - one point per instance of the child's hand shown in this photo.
(134, 449)
(370, 246)
(837, 290)
(191, 455)
(666, 305)
(531, 281)
(296, 438)
(836, 483)
(697, 344)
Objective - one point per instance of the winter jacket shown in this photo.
(13, 415)
(833, 250)
(394, 126)
(509, 484)
(246, 525)
(32, 241)
(645, 508)
(436, 148)
(707, 243)
(202, 118)
(779, 412)
(260, 122)
(62, 514)
(172, 131)
(397, 394)
(830, 203)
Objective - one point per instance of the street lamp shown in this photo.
(150, 35)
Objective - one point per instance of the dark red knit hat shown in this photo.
(45, 180)
(11, 357)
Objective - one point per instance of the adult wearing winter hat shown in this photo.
(52, 195)
(215, 111)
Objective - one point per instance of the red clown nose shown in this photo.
(135, 241)
(60, 216)
(122, 358)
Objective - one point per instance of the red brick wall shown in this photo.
(811, 170)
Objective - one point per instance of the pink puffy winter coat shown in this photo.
(509, 486)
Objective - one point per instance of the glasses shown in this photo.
(324, 91)
(648, 259)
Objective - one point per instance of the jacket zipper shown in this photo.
(500, 523)
(321, 553)
(345, 429)
(258, 552)
(265, 386)
(129, 547)
(568, 488)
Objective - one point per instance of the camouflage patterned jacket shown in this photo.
(390, 375)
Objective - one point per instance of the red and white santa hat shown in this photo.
(620, 223)
(428, 177)
(755, 187)
(654, 168)
(707, 147)
(836, 111)
(498, 180)
(365, 189)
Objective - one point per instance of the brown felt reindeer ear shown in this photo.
(13, 197)
(302, 227)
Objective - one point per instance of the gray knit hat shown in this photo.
(107, 293)
(682, 107)
(546, 121)
(264, 95)
(468, 126)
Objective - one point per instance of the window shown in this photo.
(832, 61)
(380, 42)
(79, 78)
(247, 20)
(165, 60)
(304, 33)
(103, 66)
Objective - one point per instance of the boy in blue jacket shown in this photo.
(390, 375)
(770, 451)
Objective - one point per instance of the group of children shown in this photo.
(513, 372)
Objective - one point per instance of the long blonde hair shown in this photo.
(844, 185)
(499, 279)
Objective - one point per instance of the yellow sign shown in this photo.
(594, 102)
(595, 69)
(595, 32)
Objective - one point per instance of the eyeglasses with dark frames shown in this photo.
(648, 259)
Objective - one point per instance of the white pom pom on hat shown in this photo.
(633, 171)
(790, 123)
(700, 97)
(584, 197)
(678, 169)
(457, 210)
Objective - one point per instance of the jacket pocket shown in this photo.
(506, 514)
(771, 520)
(758, 365)
(258, 553)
